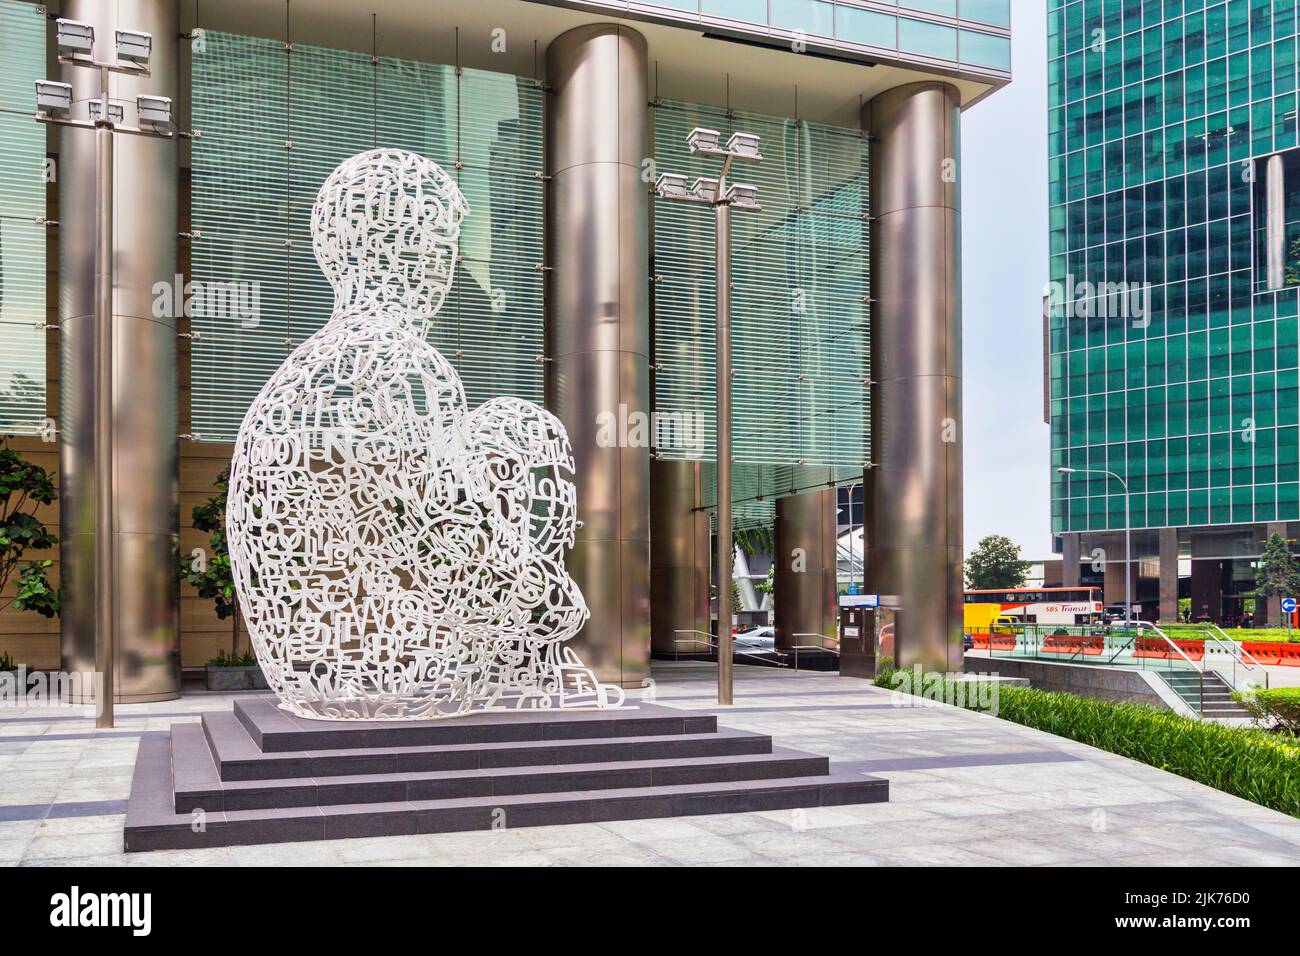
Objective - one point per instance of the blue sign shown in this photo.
(859, 600)
(1288, 605)
(853, 587)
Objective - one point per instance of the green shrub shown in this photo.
(7, 662)
(885, 673)
(223, 659)
(1246, 762)
(1281, 704)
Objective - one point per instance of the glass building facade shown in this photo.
(23, 232)
(1172, 361)
(974, 33)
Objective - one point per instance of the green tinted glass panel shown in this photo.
(1153, 133)
(22, 238)
(252, 199)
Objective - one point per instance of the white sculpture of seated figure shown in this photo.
(396, 555)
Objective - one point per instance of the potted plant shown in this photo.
(23, 486)
(208, 571)
(235, 672)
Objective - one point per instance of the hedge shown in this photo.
(1254, 764)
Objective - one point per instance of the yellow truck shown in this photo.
(987, 619)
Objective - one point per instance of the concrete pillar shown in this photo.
(679, 558)
(914, 532)
(144, 367)
(1207, 589)
(1070, 560)
(803, 601)
(1168, 575)
(1113, 580)
(598, 327)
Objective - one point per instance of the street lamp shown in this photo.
(1128, 578)
(722, 196)
(75, 42)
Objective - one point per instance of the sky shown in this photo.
(1004, 269)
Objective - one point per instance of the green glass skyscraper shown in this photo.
(1171, 310)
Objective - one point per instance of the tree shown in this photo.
(1276, 573)
(208, 570)
(996, 563)
(24, 485)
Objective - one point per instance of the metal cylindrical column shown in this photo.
(598, 328)
(143, 413)
(914, 528)
(679, 559)
(803, 600)
(724, 538)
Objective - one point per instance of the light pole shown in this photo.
(76, 47)
(722, 196)
(1128, 524)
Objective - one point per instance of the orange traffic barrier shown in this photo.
(1072, 644)
(1158, 648)
(1266, 652)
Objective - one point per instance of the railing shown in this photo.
(711, 643)
(677, 642)
(1140, 644)
(1200, 670)
(1245, 669)
(814, 647)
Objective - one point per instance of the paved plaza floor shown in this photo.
(965, 789)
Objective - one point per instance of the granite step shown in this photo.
(238, 758)
(196, 784)
(277, 731)
(152, 822)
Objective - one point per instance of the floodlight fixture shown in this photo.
(672, 186)
(1066, 471)
(701, 139)
(116, 112)
(53, 97)
(73, 37)
(705, 189)
(155, 110)
(744, 146)
(742, 195)
(134, 46)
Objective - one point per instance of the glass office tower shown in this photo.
(1171, 312)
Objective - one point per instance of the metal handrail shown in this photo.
(1200, 701)
(1241, 651)
(1237, 653)
(711, 643)
(814, 647)
(707, 643)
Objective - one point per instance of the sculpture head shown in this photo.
(385, 230)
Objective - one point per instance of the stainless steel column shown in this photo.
(803, 599)
(679, 558)
(598, 326)
(914, 527)
(144, 368)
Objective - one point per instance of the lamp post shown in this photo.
(76, 47)
(1128, 577)
(722, 196)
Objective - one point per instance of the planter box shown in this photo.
(235, 678)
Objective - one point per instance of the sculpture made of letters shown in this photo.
(397, 555)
